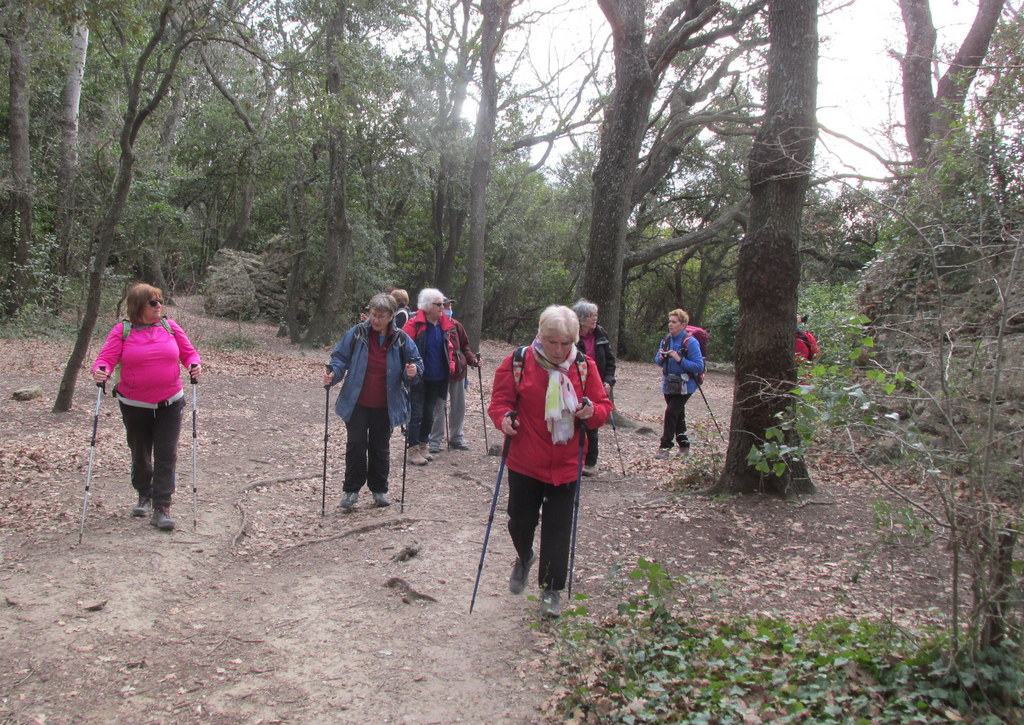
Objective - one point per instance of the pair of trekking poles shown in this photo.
(101, 389)
(494, 505)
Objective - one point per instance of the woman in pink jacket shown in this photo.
(149, 348)
(547, 392)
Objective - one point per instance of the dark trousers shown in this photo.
(531, 501)
(367, 450)
(675, 421)
(422, 398)
(153, 440)
(591, 457)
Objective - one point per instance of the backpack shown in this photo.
(126, 327)
(702, 337)
(811, 348)
(519, 357)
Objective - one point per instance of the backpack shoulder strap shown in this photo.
(518, 358)
(126, 329)
(167, 325)
(582, 368)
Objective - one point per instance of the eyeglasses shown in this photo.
(154, 303)
(437, 304)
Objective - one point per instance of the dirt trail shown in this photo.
(268, 612)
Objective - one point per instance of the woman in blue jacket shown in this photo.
(681, 362)
(378, 363)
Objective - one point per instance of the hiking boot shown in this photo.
(459, 445)
(662, 453)
(426, 453)
(684, 450)
(590, 470)
(433, 448)
(381, 499)
(348, 500)
(162, 518)
(551, 604)
(520, 573)
(143, 507)
(415, 457)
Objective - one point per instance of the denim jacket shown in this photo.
(351, 355)
(691, 362)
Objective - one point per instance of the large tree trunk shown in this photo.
(338, 243)
(67, 172)
(137, 111)
(496, 14)
(769, 263)
(18, 281)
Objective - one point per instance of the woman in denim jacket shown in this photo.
(681, 362)
(378, 363)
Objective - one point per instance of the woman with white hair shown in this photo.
(430, 330)
(551, 388)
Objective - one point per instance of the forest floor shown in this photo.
(268, 612)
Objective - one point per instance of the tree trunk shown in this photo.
(338, 242)
(495, 21)
(18, 282)
(769, 263)
(67, 173)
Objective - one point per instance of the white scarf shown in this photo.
(560, 401)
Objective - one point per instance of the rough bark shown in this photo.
(769, 264)
(18, 279)
(338, 242)
(495, 21)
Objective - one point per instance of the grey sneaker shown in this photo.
(590, 471)
(520, 573)
(143, 507)
(459, 445)
(162, 519)
(684, 450)
(551, 604)
(433, 448)
(348, 501)
(381, 499)
(663, 453)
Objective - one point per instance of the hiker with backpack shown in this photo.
(465, 358)
(149, 348)
(378, 362)
(805, 346)
(682, 365)
(595, 343)
(540, 394)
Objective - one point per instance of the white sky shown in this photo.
(859, 84)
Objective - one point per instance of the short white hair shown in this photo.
(429, 296)
(559, 320)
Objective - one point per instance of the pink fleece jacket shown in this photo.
(149, 360)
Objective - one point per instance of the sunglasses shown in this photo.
(154, 303)
(437, 304)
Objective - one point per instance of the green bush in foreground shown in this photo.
(645, 666)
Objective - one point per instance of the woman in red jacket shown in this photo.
(550, 397)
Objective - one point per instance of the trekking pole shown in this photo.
(101, 388)
(615, 431)
(447, 434)
(494, 503)
(480, 377)
(712, 414)
(195, 443)
(327, 415)
(405, 458)
(576, 502)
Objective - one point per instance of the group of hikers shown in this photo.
(397, 368)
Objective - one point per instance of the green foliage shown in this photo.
(35, 321)
(647, 665)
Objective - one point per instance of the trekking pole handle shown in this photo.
(511, 415)
(102, 368)
(192, 380)
(331, 371)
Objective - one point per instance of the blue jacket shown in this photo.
(691, 362)
(351, 355)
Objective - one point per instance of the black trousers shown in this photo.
(422, 398)
(531, 501)
(591, 457)
(367, 450)
(675, 421)
(153, 440)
